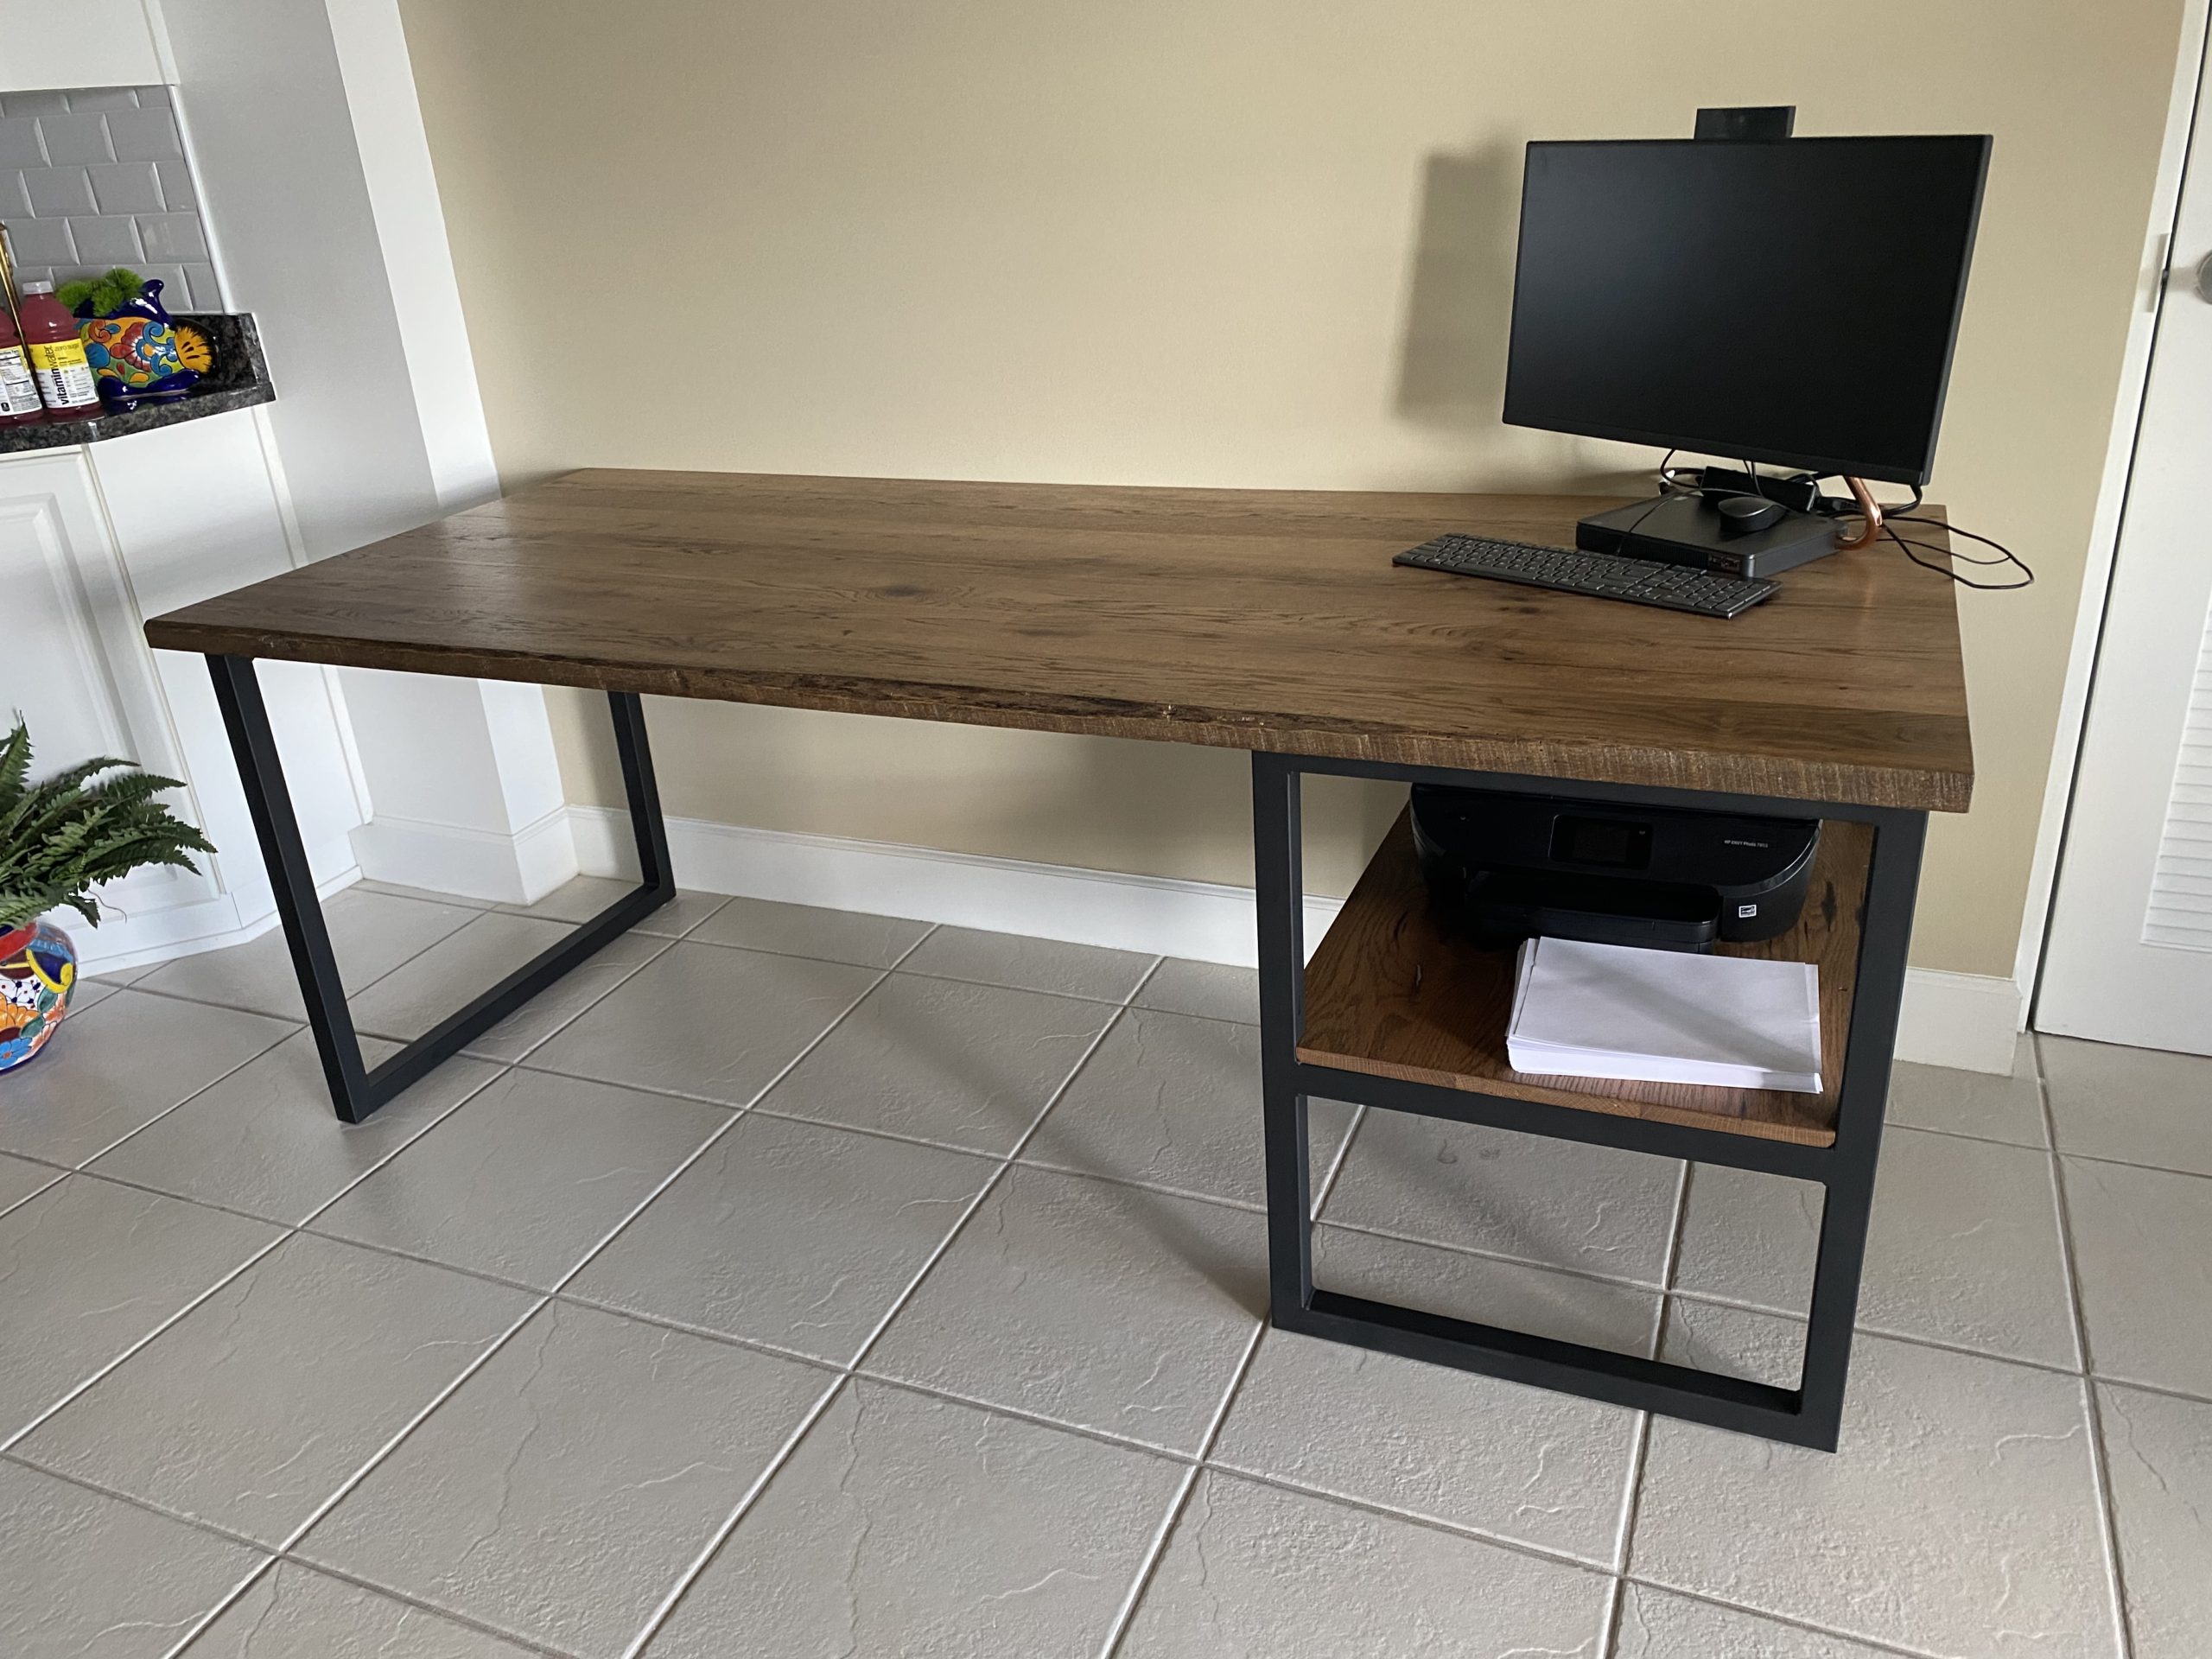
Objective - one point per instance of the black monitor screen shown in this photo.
(1792, 300)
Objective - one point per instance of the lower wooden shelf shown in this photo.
(1391, 994)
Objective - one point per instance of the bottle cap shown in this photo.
(37, 288)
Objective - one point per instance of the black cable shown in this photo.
(1906, 545)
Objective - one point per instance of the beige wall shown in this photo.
(1231, 242)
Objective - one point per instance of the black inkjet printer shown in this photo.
(1507, 866)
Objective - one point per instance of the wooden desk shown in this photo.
(1266, 620)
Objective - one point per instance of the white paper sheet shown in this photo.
(1585, 1010)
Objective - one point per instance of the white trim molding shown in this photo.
(1968, 1021)
(495, 865)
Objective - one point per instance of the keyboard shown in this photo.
(1602, 576)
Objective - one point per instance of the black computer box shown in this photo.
(1686, 530)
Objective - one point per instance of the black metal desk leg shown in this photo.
(1892, 883)
(1279, 893)
(356, 1091)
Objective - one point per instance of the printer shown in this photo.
(1502, 867)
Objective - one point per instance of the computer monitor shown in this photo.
(1792, 300)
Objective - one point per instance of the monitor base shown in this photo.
(1687, 530)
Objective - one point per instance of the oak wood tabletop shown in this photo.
(1242, 618)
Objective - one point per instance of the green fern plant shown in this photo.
(60, 837)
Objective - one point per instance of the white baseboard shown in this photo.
(508, 869)
(1969, 1022)
(150, 936)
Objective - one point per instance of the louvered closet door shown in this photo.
(2130, 953)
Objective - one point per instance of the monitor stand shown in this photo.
(1687, 530)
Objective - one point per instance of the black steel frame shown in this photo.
(356, 1089)
(1809, 1415)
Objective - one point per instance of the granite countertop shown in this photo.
(239, 379)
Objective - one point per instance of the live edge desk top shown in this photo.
(1240, 619)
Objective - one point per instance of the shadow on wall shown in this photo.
(1451, 352)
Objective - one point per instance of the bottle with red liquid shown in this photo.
(57, 355)
(19, 400)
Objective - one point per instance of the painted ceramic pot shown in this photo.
(38, 969)
(134, 353)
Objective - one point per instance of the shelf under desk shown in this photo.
(1390, 993)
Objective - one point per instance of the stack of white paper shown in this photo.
(1661, 1016)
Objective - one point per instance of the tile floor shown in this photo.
(790, 1283)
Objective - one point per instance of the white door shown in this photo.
(2129, 958)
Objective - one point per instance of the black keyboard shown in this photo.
(1602, 576)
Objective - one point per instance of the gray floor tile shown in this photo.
(1959, 1512)
(708, 1022)
(582, 987)
(2143, 1251)
(20, 1178)
(1030, 964)
(264, 1140)
(796, 1235)
(586, 895)
(527, 1178)
(1172, 1101)
(86, 992)
(1601, 1312)
(804, 930)
(1963, 1246)
(1255, 1572)
(1524, 1464)
(911, 1526)
(117, 978)
(400, 890)
(1555, 1203)
(83, 1574)
(1103, 1307)
(1978, 1103)
(370, 933)
(252, 1409)
(2159, 1451)
(1735, 1341)
(564, 1489)
(1208, 988)
(120, 1064)
(966, 1065)
(294, 1612)
(87, 1268)
(2137, 1105)
(457, 969)
(1659, 1624)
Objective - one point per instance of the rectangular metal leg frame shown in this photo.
(355, 1089)
(1809, 1415)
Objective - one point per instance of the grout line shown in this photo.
(712, 1547)
(2129, 1163)
(10, 1442)
(262, 1569)
(1640, 1452)
(1036, 1419)
(84, 1482)
(1336, 1164)
(292, 1539)
(1890, 1124)
(407, 1599)
(2100, 1474)
(1786, 1621)
(53, 1174)
(229, 1072)
(1157, 1549)
(1498, 1255)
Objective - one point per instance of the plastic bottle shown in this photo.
(19, 399)
(65, 379)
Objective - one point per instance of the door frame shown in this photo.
(2192, 66)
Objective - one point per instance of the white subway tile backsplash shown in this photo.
(20, 145)
(41, 242)
(172, 236)
(144, 136)
(177, 189)
(56, 191)
(103, 97)
(76, 138)
(127, 187)
(98, 178)
(106, 241)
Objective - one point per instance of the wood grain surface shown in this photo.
(1242, 618)
(1390, 993)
